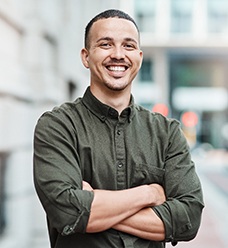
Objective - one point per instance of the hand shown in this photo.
(158, 194)
(86, 186)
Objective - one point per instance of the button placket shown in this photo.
(120, 155)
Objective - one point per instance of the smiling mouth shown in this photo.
(117, 68)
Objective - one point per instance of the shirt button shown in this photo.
(103, 118)
(113, 112)
(118, 132)
(120, 165)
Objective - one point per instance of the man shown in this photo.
(108, 172)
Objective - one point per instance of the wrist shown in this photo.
(157, 194)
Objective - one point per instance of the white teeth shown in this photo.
(116, 68)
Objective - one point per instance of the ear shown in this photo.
(85, 57)
(141, 55)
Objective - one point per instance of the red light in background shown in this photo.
(189, 119)
(161, 108)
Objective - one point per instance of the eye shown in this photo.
(105, 45)
(129, 46)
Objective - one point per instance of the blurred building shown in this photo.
(185, 68)
(185, 46)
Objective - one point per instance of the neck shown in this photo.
(118, 100)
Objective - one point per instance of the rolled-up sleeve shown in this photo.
(181, 213)
(57, 174)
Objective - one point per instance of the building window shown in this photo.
(2, 193)
(145, 15)
(146, 71)
(186, 73)
(49, 52)
(181, 16)
(217, 16)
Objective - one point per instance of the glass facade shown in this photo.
(145, 12)
(181, 16)
(217, 16)
(187, 73)
(198, 72)
(146, 71)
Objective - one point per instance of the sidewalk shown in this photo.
(213, 232)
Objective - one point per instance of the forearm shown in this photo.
(111, 207)
(144, 224)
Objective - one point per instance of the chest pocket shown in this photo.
(146, 174)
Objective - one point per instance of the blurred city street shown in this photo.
(212, 168)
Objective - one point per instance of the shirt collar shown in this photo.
(103, 111)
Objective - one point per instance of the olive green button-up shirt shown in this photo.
(88, 140)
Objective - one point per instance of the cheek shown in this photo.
(96, 67)
(136, 59)
(96, 62)
(138, 63)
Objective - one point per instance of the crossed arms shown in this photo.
(128, 211)
(73, 210)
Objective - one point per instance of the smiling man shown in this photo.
(108, 172)
(113, 55)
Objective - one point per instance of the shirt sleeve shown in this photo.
(181, 213)
(57, 174)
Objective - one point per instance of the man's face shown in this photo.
(113, 57)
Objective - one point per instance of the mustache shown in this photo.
(117, 62)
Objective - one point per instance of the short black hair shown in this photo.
(111, 13)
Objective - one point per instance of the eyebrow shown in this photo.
(111, 39)
(104, 38)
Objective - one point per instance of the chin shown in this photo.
(117, 87)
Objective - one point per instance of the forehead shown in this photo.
(114, 28)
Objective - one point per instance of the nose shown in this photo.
(118, 53)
